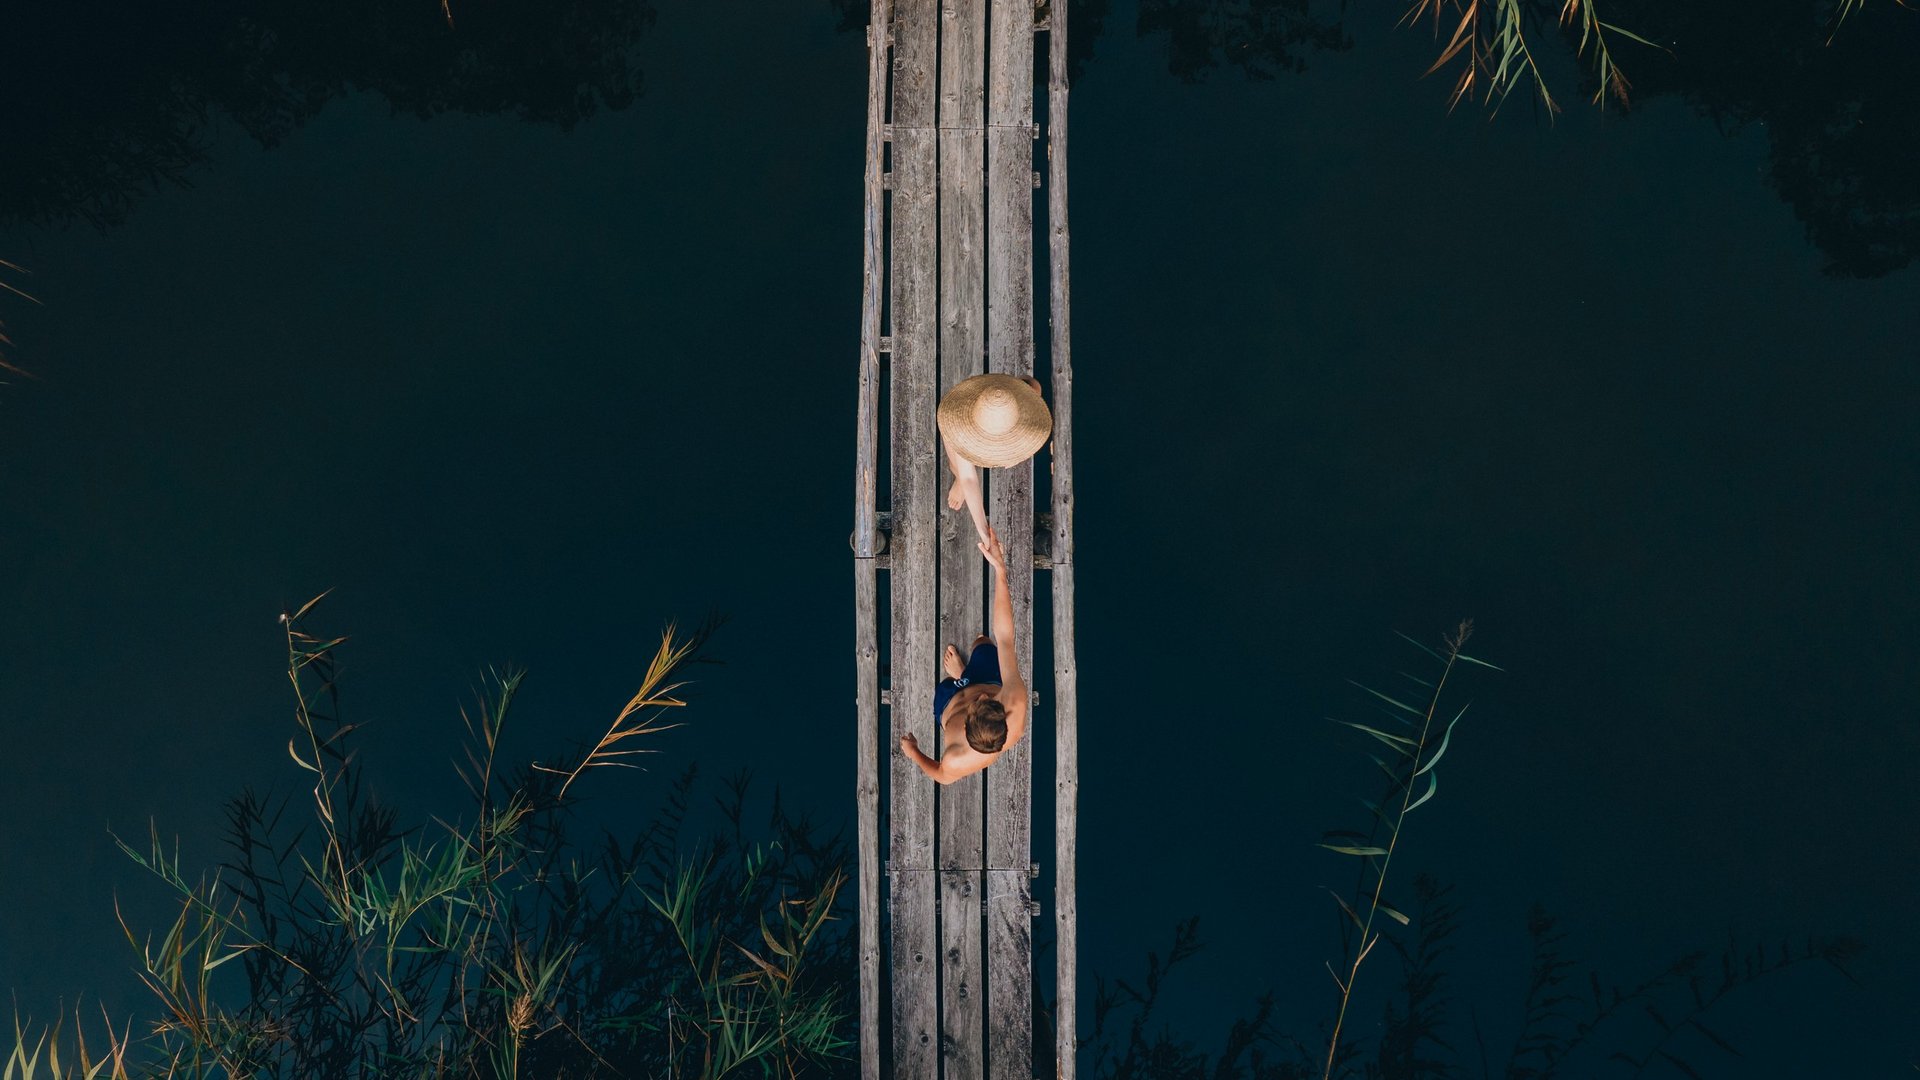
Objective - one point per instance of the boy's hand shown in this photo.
(909, 743)
(990, 547)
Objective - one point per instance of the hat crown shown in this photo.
(996, 412)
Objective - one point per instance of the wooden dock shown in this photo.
(946, 875)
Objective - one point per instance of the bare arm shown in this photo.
(1001, 623)
(910, 746)
(1013, 688)
(940, 772)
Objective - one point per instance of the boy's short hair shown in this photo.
(987, 726)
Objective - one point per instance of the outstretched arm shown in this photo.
(966, 477)
(1012, 686)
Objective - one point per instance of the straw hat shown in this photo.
(994, 420)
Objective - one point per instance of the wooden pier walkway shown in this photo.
(947, 875)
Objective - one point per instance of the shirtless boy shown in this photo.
(982, 704)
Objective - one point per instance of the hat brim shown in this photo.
(1032, 427)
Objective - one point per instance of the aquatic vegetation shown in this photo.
(489, 943)
(1415, 754)
(1576, 1023)
(38, 1055)
(1491, 40)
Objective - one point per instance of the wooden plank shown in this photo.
(910, 908)
(1009, 974)
(865, 543)
(1010, 65)
(963, 270)
(867, 796)
(1010, 242)
(1010, 350)
(873, 274)
(913, 944)
(1066, 696)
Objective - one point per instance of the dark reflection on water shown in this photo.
(106, 114)
(104, 106)
(1841, 114)
(97, 115)
(1838, 102)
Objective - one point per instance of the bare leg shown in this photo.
(966, 491)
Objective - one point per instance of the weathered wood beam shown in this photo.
(867, 542)
(963, 271)
(913, 944)
(1010, 242)
(1066, 694)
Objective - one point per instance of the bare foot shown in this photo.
(956, 495)
(952, 662)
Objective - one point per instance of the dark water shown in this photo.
(1635, 393)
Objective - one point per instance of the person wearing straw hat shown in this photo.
(982, 707)
(989, 422)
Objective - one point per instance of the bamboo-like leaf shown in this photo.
(1344, 906)
(1393, 914)
(1419, 646)
(1482, 663)
(1445, 738)
(1630, 36)
(306, 607)
(298, 760)
(1400, 743)
(1346, 850)
(238, 950)
(1396, 703)
(771, 943)
(1433, 784)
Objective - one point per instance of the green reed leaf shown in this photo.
(1445, 738)
(1399, 742)
(1348, 908)
(1419, 646)
(1347, 850)
(1433, 785)
(1395, 702)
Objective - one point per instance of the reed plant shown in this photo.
(1414, 738)
(1576, 1022)
(1494, 44)
(486, 943)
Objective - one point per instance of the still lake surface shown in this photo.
(1347, 364)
